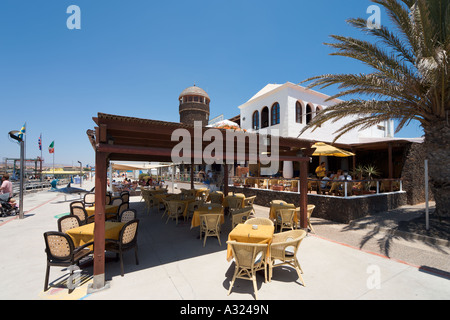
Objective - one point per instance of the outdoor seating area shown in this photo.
(209, 216)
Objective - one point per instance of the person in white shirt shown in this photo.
(345, 176)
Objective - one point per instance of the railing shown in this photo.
(34, 186)
(340, 188)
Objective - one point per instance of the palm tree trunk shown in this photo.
(437, 145)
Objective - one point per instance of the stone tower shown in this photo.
(194, 106)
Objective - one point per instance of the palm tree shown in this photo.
(409, 80)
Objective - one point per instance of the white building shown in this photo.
(289, 107)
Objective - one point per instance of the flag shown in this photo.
(51, 147)
(40, 142)
(22, 131)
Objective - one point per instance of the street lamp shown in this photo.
(81, 174)
(14, 135)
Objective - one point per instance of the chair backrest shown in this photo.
(211, 220)
(216, 197)
(122, 207)
(128, 234)
(80, 213)
(108, 199)
(68, 222)
(248, 255)
(128, 215)
(286, 244)
(240, 215)
(77, 203)
(125, 196)
(58, 246)
(192, 206)
(234, 202)
(174, 206)
(117, 202)
(249, 200)
(260, 221)
(286, 215)
(89, 198)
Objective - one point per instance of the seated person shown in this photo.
(324, 183)
(345, 176)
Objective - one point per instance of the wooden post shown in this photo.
(99, 228)
(391, 168)
(304, 193)
(192, 175)
(225, 179)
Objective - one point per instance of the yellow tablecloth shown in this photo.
(84, 234)
(237, 195)
(204, 210)
(110, 211)
(276, 206)
(245, 233)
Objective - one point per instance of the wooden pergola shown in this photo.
(122, 138)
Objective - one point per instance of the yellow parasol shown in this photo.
(323, 149)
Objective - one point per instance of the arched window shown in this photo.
(275, 114)
(255, 120)
(265, 117)
(308, 113)
(298, 112)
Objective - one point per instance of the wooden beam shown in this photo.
(304, 193)
(99, 228)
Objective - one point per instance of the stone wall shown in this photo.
(338, 209)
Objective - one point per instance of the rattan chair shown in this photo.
(192, 206)
(234, 203)
(127, 240)
(174, 210)
(125, 196)
(128, 215)
(107, 199)
(61, 252)
(248, 202)
(68, 222)
(259, 221)
(77, 203)
(116, 201)
(285, 219)
(240, 216)
(249, 258)
(216, 198)
(122, 207)
(284, 247)
(210, 226)
(81, 214)
(89, 199)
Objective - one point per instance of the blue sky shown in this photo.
(133, 58)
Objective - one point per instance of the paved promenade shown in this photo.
(357, 261)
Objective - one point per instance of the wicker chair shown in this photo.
(128, 215)
(234, 203)
(77, 203)
(116, 202)
(107, 199)
(210, 226)
(89, 199)
(240, 216)
(192, 206)
(125, 196)
(216, 198)
(249, 258)
(248, 202)
(285, 219)
(68, 222)
(174, 210)
(81, 214)
(259, 221)
(61, 252)
(127, 240)
(122, 207)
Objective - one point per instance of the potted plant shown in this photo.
(237, 182)
(370, 171)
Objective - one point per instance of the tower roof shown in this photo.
(194, 91)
